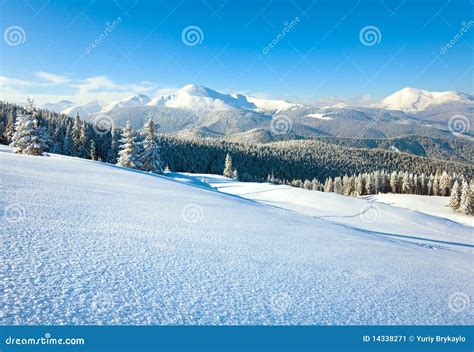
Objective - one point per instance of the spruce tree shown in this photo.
(228, 166)
(93, 150)
(151, 158)
(29, 137)
(129, 154)
(68, 145)
(466, 203)
(9, 128)
(455, 200)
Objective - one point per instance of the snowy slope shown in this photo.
(364, 214)
(90, 243)
(415, 100)
(433, 205)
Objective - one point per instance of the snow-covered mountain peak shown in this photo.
(413, 100)
(59, 106)
(195, 97)
(131, 101)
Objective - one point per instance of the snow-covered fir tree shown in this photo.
(93, 150)
(228, 166)
(151, 157)
(455, 199)
(466, 202)
(29, 137)
(68, 145)
(129, 154)
(444, 183)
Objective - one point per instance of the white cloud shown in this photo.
(7, 82)
(59, 87)
(52, 77)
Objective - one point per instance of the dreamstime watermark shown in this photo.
(103, 124)
(14, 35)
(288, 27)
(375, 118)
(192, 213)
(458, 302)
(47, 339)
(370, 35)
(459, 124)
(465, 27)
(281, 124)
(281, 302)
(369, 213)
(192, 36)
(14, 213)
(109, 27)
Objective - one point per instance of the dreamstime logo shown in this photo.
(192, 36)
(287, 27)
(281, 125)
(369, 213)
(370, 35)
(459, 124)
(14, 213)
(465, 27)
(458, 302)
(280, 302)
(192, 213)
(14, 35)
(109, 27)
(103, 124)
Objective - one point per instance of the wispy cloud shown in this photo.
(62, 87)
(52, 77)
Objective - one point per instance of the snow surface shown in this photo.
(90, 243)
(433, 205)
(415, 100)
(362, 213)
(319, 116)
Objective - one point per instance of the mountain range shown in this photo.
(197, 111)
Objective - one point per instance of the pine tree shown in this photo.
(235, 175)
(151, 158)
(436, 185)
(83, 141)
(129, 154)
(112, 153)
(93, 150)
(429, 188)
(76, 136)
(68, 145)
(406, 184)
(29, 137)
(228, 166)
(444, 184)
(359, 185)
(466, 201)
(455, 199)
(394, 182)
(9, 128)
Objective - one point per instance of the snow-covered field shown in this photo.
(433, 205)
(90, 243)
(366, 214)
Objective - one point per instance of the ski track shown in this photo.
(89, 243)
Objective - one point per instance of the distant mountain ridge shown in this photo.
(198, 111)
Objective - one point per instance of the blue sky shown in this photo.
(321, 56)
